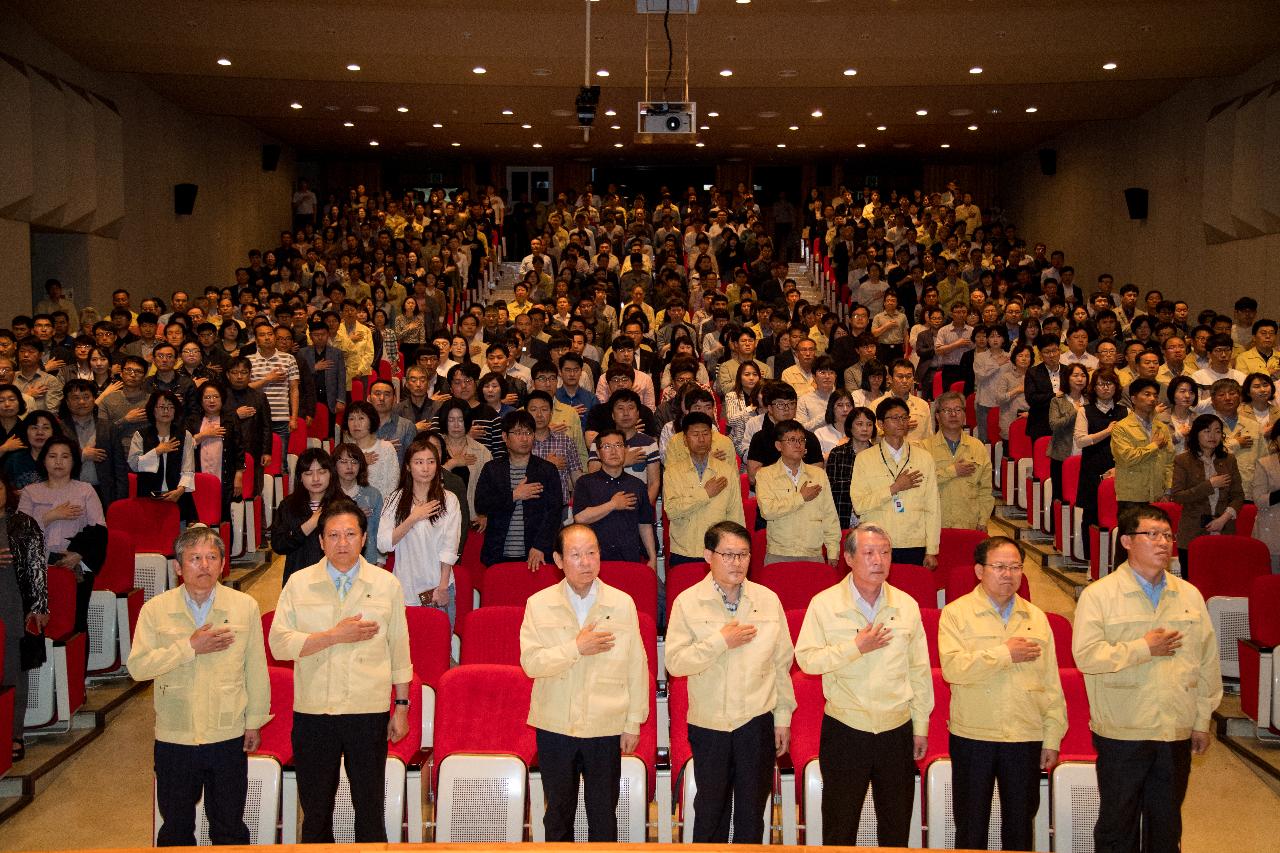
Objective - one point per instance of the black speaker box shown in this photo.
(184, 199)
(1048, 161)
(1135, 198)
(270, 157)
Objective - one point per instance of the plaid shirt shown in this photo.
(840, 472)
(559, 444)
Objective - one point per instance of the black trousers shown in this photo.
(914, 556)
(1140, 778)
(598, 761)
(321, 742)
(976, 765)
(216, 771)
(734, 774)
(854, 759)
(1055, 474)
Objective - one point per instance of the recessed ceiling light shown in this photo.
(945, 145)
(975, 70)
(1110, 66)
(615, 127)
(617, 145)
(527, 126)
(851, 72)
(436, 124)
(348, 124)
(541, 72)
(881, 127)
(295, 106)
(816, 113)
(742, 2)
(508, 112)
(782, 145)
(456, 144)
(1031, 109)
(602, 72)
(973, 127)
(373, 142)
(713, 114)
(704, 127)
(366, 108)
(726, 72)
(353, 67)
(922, 112)
(862, 145)
(402, 109)
(611, 112)
(537, 145)
(699, 145)
(223, 61)
(768, 114)
(479, 69)
(794, 127)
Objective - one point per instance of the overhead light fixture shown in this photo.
(851, 72)
(527, 126)
(794, 127)
(945, 145)
(537, 145)
(881, 127)
(1109, 66)
(782, 145)
(615, 127)
(713, 114)
(508, 112)
(699, 145)
(975, 70)
(862, 145)
(436, 124)
(223, 61)
(295, 106)
(479, 69)
(348, 124)
(973, 127)
(402, 109)
(1031, 109)
(743, 2)
(373, 143)
(602, 72)
(922, 112)
(726, 72)
(816, 113)
(704, 127)
(456, 144)
(611, 112)
(353, 67)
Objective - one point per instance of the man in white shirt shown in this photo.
(536, 251)
(1220, 348)
(1078, 349)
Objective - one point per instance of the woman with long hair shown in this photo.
(463, 455)
(22, 465)
(422, 523)
(742, 403)
(218, 450)
(24, 598)
(860, 431)
(1208, 486)
(295, 530)
(162, 454)
(353, 480)
(1063, 412)
(833, 431)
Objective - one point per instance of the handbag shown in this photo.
(31, 650)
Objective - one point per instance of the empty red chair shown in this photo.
(1061, 627)
(930, 617)
(114, 605)
(636, 580)
(1067, 516)
(997, 447)
(1102, 536)
(385, 370)
(937, 384)
(58, 691)
(492, 635)
(1037, 486)
(749, 511)
(357, 389)
(1227, 565)
(796, 583)
(513, 583)
(955, 552)
(959, 585)
(277, 740)
(1016, 464)
(153, 525)
(299, 441)
(208, 499)
(795, 621)
(759, 547)
(429, 649)
(320, 430)
(683, 576)
(1245, 519)
(267, 619)
(971, 412)
(1256, 654)
(915, 581)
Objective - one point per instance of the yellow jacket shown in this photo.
(594, 696)
(798, 528)
(689, 510)
(1144, 472)
(920, 522)
(205, 698)
(347, 678)
(1252, 361)
(1247, 457)
(964, 501)
(877, 691)
(1132, 695)
(729, 687)
(563, 413)
(992, 698)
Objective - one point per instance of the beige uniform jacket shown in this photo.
(919, 525)
(1144, 471)
(798, 528)
(965, 502)
(684, 499)
(730, 687)
(584, 696)
(880, 690)
(1133, 695)
(347, 678)
(205, 698)
(993, 698)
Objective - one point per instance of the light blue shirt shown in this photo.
(1004, 612)
(1151, 590)
(338, 577)
(199, 612)
(868, 610)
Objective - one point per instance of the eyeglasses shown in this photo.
(133, 370)
(951, 411)
(1155, 535)
(733, 556)
(896, 418)
(1005, 568)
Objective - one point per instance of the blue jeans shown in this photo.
(281, 428)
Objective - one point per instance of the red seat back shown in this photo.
(1040, 458)
(1061, 627)
(321, 426)
(749, 512)
(429, 642)
(1227, 565)
(512, 583)
(1173, 510)
(208, 499)
(930, 617)
(154, 525)
(277, 459)
(1019, 442)
(1264, 610)
(971, 411)
(796, 583)
(277, 735)
(298, 442)
(492, 635)
(993, 425)
(683, 576)
(468, 719)
(759, 547)
(1071, 485)
(116, 574)
(955, 552)
(636, 580)
(1077, 744)
(62, 603)
(806, 721)
(1245, 519)
(939, 739)
(915, 581)
(795, 621)
(267, 619)
(678, 712)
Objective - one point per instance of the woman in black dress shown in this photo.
(1093, 434)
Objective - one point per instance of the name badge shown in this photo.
(898, 506)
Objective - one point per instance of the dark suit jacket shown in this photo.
(333, 380)
(1038, 389)
(543, 516)
(1192, 490)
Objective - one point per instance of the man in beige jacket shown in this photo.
(729, 636)
(580, 643)
(202, 645)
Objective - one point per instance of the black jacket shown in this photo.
(300, 549)
(543, 516)
(1038, 389)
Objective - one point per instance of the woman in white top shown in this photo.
(987, 367)
(464, 456)
(162, 454)
(422, 523)
(831, 433)
(1182, 394)
(1010, 388)
(384, 464)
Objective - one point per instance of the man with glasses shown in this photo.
(729, 636)
(795, 499)
(1146, 646)
(902, 383)
(125, 410)
(1220, 349)
(1008, 713)
(779, 401)
(520, 496)
(963, 467)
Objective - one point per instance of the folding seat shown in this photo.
(511, 584)
(1068, 518)
(750, 511)
(759, 547)
(997, 447)
(796, 583)
(320, 430)
(955, 553)
(429, 650)
(1259, 674)
(385, 370)
(959, 585)
(357, 389)
(483, 749)
(1245, 519)
(938, 771)
(114, 606)
(937, 384)
(56, 687)
(802, 796)
(154, 527)
(1073, 784)
(795, 621)
(971, 413)
(1061, 627)
(298, 443)
(684, 786)
(1222, 568)
(1103, 535)
(267, 619)
(636, 580)
(683, 576)
(915, 581)
(1039, 488)
(248, 516)
(273, 486)
(1017, 464)
(930, 617)
(470, 559)
(265, 771)
(492, 635)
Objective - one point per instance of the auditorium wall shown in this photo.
(90, 161)
(1209, 157)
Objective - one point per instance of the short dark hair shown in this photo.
(517, 418)
(342, 505)
(984, 548)
(1133, 514)
(1139, 385)
(889, 404)
(365, 408)
(716, 533)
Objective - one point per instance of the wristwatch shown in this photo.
(404, 702)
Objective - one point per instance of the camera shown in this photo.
(586, 102)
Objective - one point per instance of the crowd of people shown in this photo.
(656, 369)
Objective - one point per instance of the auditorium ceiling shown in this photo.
(807, 78)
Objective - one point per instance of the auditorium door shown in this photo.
(536, 181)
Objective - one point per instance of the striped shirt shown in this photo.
(514, 548)
(277, 392)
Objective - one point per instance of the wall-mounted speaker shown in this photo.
(270, 157)
(1048, 161)
(184, 199)
(1135, 198)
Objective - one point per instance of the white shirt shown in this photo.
(582, 604)
(425, 547)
